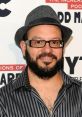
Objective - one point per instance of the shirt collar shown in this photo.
(23, 80)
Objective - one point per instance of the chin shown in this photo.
(46, 65)
(47, 62)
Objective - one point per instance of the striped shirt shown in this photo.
(19, 99)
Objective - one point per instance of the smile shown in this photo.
(46, 59)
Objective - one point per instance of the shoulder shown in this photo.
(15, 84)
(4, 95)
(72, 80)
(7, 88)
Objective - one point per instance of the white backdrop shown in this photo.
(12, 16)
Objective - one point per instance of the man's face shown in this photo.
(45, 58)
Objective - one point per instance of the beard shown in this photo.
(43, 73)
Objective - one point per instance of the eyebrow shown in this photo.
(54, 38)
(36, 37)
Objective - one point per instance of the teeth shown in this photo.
(48, 59)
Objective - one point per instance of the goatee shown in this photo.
(43, 73)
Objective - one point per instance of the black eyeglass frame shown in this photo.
(29, 43)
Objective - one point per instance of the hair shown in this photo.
(25, 37)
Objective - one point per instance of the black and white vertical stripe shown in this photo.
(19, 99)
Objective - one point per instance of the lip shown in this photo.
(46, 59)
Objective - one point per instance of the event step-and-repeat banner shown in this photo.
(12, 16)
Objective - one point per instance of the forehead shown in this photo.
(45, 30)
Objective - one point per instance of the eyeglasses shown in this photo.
(41, 43)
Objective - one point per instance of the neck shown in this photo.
(47, 89)
(52, 83)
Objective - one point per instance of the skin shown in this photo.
(47, 32)
(54, 84)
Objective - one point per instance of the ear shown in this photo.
(23, 47)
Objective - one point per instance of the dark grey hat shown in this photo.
(43, 14)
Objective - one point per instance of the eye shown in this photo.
(39, 42)
(56, 42)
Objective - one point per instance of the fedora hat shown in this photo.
(43, 14)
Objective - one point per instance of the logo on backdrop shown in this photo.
(4, 12)
(66, 16)
(71, 4)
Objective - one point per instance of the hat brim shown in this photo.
(66, 32)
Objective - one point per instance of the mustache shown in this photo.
(47, 54)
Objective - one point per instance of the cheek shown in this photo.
(58, 53)
(33, 53)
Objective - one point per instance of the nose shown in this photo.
(47, 48)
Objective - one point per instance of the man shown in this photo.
(42, 89)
